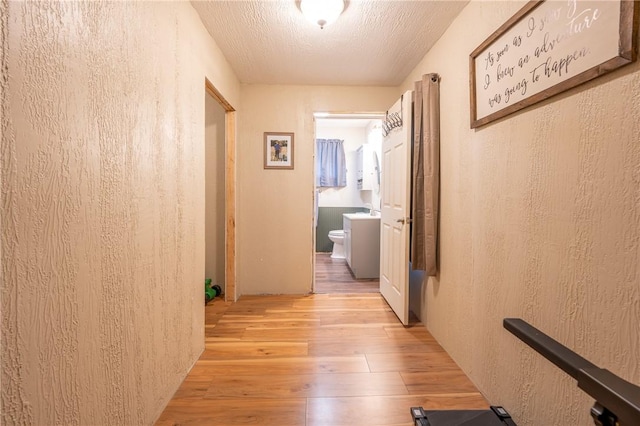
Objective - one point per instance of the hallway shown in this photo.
(324, 359)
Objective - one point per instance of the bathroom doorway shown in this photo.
(360, 137)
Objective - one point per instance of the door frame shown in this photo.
(230, 291)
(373, 115)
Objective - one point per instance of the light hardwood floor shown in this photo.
(334, 276)
(323, 359)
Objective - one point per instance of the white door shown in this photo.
(396, 196)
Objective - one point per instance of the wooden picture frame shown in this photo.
(548, 47)
(278, 150)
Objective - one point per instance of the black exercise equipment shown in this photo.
(617, 401)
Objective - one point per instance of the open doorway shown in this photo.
(214, 149)
(346, 257)
(220, 181)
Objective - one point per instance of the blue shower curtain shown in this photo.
(331, 167)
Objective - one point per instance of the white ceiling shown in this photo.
(374, 42)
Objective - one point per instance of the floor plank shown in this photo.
(376, 345)
(228, 412)
(410, 362)
(302, 365)
(312, 333)
(307, 385)
(438, 382)
(242, 349)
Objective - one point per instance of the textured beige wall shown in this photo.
(540, 219)
(214, 137)
(102, 207)
(275, 207)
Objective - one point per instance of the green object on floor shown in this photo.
(210, 292)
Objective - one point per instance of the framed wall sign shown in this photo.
(278, 150)
(546, 48)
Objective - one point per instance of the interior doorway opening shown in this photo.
(214, 222)
(220, 196)
(347, 260)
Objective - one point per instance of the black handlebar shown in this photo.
(616, 399)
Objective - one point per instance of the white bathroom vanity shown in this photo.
(362, 244)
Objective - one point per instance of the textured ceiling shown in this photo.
(374, 42)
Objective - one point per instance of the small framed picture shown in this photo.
(278, 150)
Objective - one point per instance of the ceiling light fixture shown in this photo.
(321, 12)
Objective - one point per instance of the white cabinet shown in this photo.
(346, 228)
(362, 244)
(365, 173)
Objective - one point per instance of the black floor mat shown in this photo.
(463, 418)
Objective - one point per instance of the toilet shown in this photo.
(337, 237)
